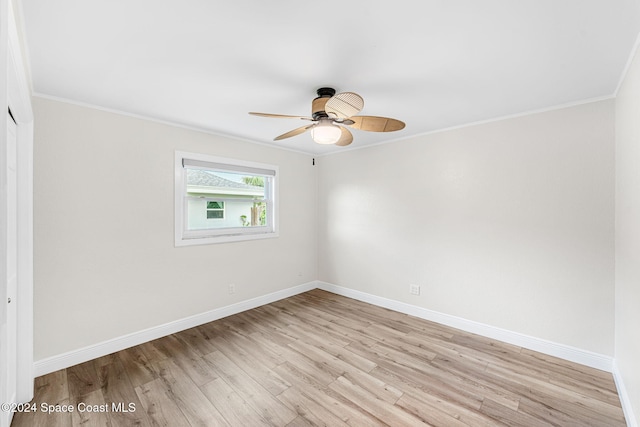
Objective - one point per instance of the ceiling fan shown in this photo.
(330, 112)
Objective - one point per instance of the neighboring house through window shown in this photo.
(222, 200)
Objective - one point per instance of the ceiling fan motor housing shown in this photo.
(317, 106)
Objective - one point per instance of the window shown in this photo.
(215, 210)
(222, 200)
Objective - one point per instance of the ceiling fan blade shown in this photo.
(376, 124)
(294, 132)
(344, 105)
(279, 116)
(346, 138)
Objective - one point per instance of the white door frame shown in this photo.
(15, 93)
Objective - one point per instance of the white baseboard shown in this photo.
(632, 421)
(583, 357)
(65, 360)
(573, 354)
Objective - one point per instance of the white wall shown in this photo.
(627, 333)
(105, 261)
(508, 223)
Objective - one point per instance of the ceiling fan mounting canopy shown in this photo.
(325, 92)
(330, 112)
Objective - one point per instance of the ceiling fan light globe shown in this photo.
(326, 133)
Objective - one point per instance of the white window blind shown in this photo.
(200, 164)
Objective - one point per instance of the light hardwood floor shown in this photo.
(321, 359)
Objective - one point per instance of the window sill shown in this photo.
(225, 238)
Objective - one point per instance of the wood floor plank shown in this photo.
(251, 391)
(118, 392)
(160, 407)
(240, 324)
(93, 411)
(482, 383)
(272, 352)
(302, 330)
(407, 344)
(274, 331)
(50, 389)
(565, 400)
(433, 402)
(447, 386)
(428, 412)
(345, 355)
(301, 422)
(315, 370)
(355, 375)
(235, 410)
(137, 366)
(83, 379)
(377, 407)
(575, 406)
(199, 342)
(547, 415)
(53, 388)
(195, 406)
(444, 347)
(334, 403)
(320, 359)
(185, 357)
(151, 352)
(309, 410)
(343, 329)
(240, 349)
(508, 416)
(561, 367)
(323, 317)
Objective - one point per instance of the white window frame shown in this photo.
(184, 237)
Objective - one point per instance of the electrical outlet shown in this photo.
(414, 289)
(232, 288)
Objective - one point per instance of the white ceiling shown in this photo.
(434, 64)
